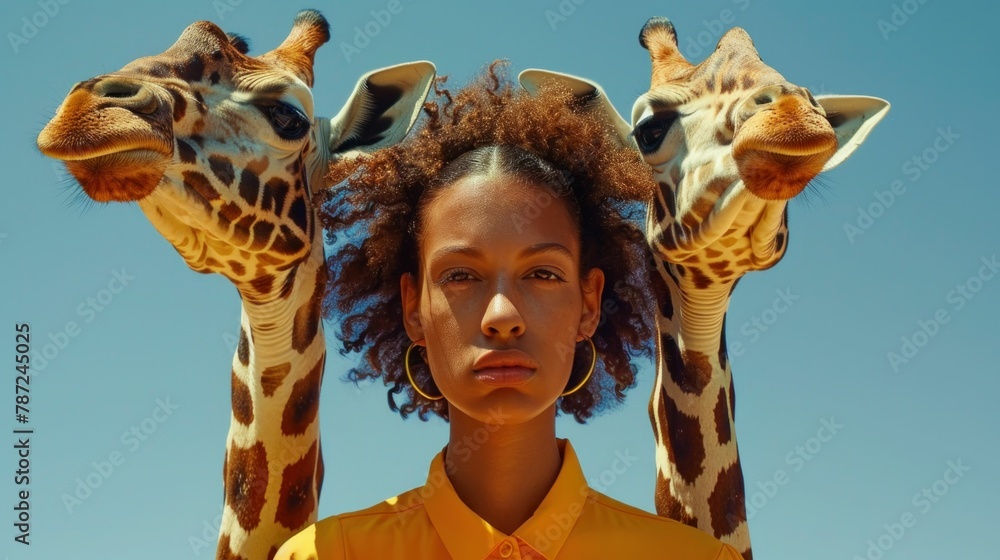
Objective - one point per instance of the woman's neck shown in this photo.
(502, 472)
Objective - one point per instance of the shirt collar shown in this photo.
(466, 535)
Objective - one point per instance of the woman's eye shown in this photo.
(546, 275)
(456, 276)
(287, 121)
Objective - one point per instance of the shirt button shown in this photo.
(505, 549)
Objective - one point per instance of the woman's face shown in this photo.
(500, 303)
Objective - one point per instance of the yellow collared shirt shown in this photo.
(573, 522)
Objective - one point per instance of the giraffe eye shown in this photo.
(651, 131)
(288, 121)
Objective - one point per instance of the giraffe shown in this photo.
(730, 141)
(221, 152)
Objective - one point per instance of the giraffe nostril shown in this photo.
(128, 94)
(117, 89)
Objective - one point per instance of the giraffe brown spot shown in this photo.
(241, 232)
(692, 218)
(222, 168)
(744, 262)
(723, 138)
(230, 211)
(668, 506)
(303, 402)
(273, 376)
(246, 483)
(723, 424)
(297, 212)
(224, 552)
(747, 81)
(662, 294)
(661, 212)
(200, 184)
(262, 231)
(180, 104)
(296, 500)
(668, 198)
(274, 189)
(242, 401)
(237, 267)
(258, 166)
(718, 266)
(727, 501)
(212, 263)
(690, 371)
(681, 270)
(243, 349)
(249, 186)
(263, 284)
(712, 253)
(192, 70)
(727, 241)
(286, 287)
(287, 242)
(186, 152)
(699, 370)
(729, 122)
(265, 258)
(728, 84)
(710, 84)
(685, 446)
(306, 323)
(701, 281)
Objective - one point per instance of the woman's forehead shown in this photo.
(494, 213)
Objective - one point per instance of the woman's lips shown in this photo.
(504, 376)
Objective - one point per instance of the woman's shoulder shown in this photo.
(325, 539)
(651, 532)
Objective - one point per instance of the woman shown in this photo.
(494, 240)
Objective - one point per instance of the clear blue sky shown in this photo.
(170, 333)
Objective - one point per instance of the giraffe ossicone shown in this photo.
(223, 154)
(729, 141)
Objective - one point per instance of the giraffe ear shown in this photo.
(852, 117)
(382, 108)
(532, 79)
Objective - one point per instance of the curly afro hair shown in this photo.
(548, 137)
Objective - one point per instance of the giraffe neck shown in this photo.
(692, 409)
(274, 467)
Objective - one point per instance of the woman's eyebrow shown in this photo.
(475, 252)
(546, 247)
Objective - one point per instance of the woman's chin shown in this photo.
(505, 406)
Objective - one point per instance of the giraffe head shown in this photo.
(221, 149)
(731, 141)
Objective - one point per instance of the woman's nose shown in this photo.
(502, 317)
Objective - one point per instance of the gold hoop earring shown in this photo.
(406, 364)
(593, 362)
